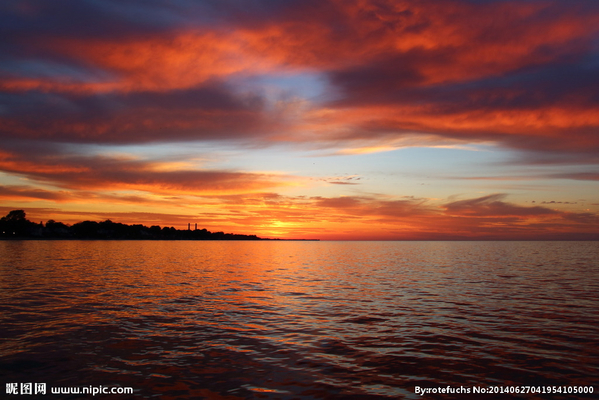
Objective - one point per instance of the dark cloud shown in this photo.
(84, 18)
(343, 180)
(384, 81)
(493, 206)
(30, 193)
(525, 111)
(369, 206)
(339, 202)
(558, 202)
(583, 218)
(209, 112)
(580, 176)
(16, 192)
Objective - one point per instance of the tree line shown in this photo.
(15, 225)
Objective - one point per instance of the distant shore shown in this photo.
(16, 238)
(15, 226)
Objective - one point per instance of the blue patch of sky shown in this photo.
(311, 86)
(149, 152)
(420, 162)
(435, 173)
(11, 179)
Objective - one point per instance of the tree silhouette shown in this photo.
(15, 215)
(15, 224)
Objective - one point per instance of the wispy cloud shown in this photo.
(80, 172)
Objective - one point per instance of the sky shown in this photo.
(329, 119)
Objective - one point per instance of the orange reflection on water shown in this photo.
(236, 318)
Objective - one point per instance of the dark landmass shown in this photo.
(15, 226)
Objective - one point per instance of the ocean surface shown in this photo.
(299, 320)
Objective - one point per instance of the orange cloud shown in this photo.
(178, 61)
(353, 218)
(369, 218)
(385, 127)
(110, 173)
(431, 35)
(28, 193)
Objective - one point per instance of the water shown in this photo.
(298, 320)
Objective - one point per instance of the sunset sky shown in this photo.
(330, 119)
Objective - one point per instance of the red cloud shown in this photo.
(106, 173)
(485, 71)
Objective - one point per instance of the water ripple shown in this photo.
(298, 320)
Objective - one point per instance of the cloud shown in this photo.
(24, 194)
(492, 206)
(78, 172)
(20, 193)
(558, 202)
(580, 176)
(583, 218)
(343, 180)
(369, 217)
(519, 74)
(208, 112)
(357, 218)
